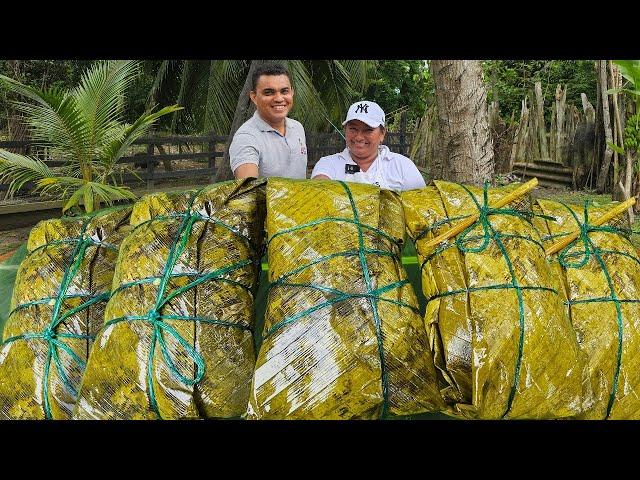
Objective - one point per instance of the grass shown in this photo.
(6, 248)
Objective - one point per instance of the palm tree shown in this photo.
(210, 90)
(84, 128)
(466, 150)
(324, 89)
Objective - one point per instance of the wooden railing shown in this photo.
(194, 157)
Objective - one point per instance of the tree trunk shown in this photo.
(590, 117)
(589, 111)
(244, 108)
(533, 138)
(627, 185)
(500, 139)
(518, 153)
(604, 169)
(553, 138)
(424, 139)
(542, 131)
(618, 136)
(461, 98)
(561, 100)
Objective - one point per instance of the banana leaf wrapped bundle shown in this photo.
(502, 341)
(343, 337)
(58, 302)
(601, 271)
(177, 340)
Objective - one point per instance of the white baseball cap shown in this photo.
(367, 112)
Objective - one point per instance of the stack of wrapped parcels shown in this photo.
(503, 343)
(58, 303)
(177, 339)
(509, 332)
(600, 271)
(343, 337)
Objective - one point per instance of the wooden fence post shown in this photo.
(403, 134)
(150, 166)
(212, 158)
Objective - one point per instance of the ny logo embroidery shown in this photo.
(362, 107)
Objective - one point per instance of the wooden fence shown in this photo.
(194, 158)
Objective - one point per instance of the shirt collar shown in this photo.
(264, 126)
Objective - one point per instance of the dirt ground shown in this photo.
(10, 240)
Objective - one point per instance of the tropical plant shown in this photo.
(209, 91)
(630, 70)
(84, 128)
(402, 86)
(510, 80)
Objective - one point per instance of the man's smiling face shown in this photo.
(273, 98)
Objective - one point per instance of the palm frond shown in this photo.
(630, 69)
(158, 82)
(225, 83)
(100, 94)
(18, 170)
(233, 70)
(185, 79)
(59, 125)
(118, 145)
(59, 185)
(359, 72)
(308, 106)
(344, 80)
(52, 119)
(46, 97)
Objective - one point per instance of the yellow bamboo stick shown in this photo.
(611, 214)
(459, 227)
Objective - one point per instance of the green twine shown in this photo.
(373, 301)
(49, 334)
(335, 219)
(373, 295)
(156, 319)
(503, 286)
(589, 250)
(441, 249)
(488, 232)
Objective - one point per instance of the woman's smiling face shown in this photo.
(362, 140)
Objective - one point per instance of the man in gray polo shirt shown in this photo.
(269, 144)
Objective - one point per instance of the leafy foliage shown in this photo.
(630, 70)
(209, 91)
(510, 80)
(402, 85)
(84, 127)
(43, 73)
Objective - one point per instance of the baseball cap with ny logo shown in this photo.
(367, 112)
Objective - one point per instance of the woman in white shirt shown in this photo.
(365, 159)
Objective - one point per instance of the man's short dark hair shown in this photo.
(268, 69)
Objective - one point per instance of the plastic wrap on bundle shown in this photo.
(601, 270)
(177, 339)
(502, 340)
(58, 303)
(343, 337)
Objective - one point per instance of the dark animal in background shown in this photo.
(581, 151)
(142, 163)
